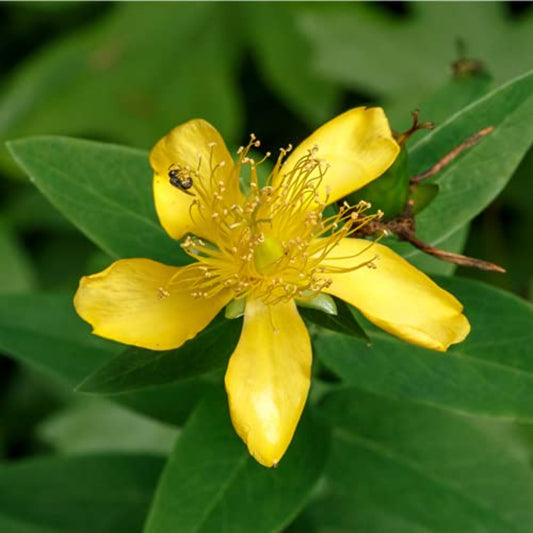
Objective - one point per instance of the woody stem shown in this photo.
(458, 259)
(450, 156)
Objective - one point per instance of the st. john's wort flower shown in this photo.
(268, 248)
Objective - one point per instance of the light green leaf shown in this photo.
(239, 495)
(490, 373)
(103, 493)
(105, 190)
(401, 466)
(91, 425)
(137, 368)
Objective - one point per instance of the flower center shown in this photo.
(271, 243)
(267, 255)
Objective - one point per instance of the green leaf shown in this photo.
(129, 76)
(343, 322)
(368, 48)
(423, 194)
(105, 190)
(14, 525)
(171, 404)
(320, 302)
(16, 271)
(30, 211)
(103, 493)
(239, 495)
(455, 94)
(137, 368)
(401, 466)
(468, 185)
(283, 54)
(389, 192)
(44, 331)
(490, 373)
(454, 242)
(92, 425)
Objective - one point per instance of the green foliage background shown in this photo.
(395, 438)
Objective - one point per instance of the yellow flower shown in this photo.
(268, 248)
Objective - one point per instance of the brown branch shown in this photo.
(449, 157)
(402, 138)
(404, 228)
(450, 257)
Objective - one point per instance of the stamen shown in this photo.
(286, 212)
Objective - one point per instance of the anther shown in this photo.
(162, 293)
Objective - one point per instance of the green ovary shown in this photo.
(267, 255)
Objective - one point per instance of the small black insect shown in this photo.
(180, 178)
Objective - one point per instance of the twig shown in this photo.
(449, 157)
(450, 257)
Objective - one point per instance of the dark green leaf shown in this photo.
(105, 190)
(16, 271)
(490, 373)
(9, 524)
(455, 94)
(30, 211)
(101, 493)
(363, 46)
(423, 194)
(238, 495)
(400, 466)
(43, 330)
(285, 60)
(469, 184)
(129, 76)
(137, 368)
(169, 403)
(343, 322)
(389, 192)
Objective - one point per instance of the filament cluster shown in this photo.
(271, 243)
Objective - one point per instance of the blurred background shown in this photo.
(129, 72)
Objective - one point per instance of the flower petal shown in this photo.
(144, 303)
(195, 145)
(396, 296)
(358, 147)
(268, 378)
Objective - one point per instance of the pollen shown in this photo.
(271, 243)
